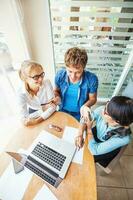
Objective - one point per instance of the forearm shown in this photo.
(82, 128)
(90, 102)
(31, 122)
(47, 113)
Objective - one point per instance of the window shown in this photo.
(104, 29)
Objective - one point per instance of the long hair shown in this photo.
(120, 109)
(25, 65)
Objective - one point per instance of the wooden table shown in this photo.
(80, 181)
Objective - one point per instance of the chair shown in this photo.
(108, 169)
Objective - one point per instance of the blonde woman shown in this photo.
(36, 97)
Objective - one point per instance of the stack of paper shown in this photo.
(13, 186)
(45, 193)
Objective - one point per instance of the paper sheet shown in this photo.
(13, 186)
(69, 135)
(45, 193)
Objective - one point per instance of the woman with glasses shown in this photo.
(36, 97)
(112, 129)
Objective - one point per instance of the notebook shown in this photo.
(49, 157)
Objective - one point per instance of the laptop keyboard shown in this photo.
(49, 155)
(40, 173)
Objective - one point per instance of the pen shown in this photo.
(78, 148)
(43, 104)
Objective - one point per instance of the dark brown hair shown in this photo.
(76, 57)
(120, 108)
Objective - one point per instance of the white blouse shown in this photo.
(44, 95)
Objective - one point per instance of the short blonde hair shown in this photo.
(76, 57)
(25, 65)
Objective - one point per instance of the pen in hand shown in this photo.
(81, 145)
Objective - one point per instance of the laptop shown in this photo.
(49, 157)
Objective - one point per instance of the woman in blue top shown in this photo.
(112, 129)
(75, 86)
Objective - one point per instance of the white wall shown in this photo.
(37, 23)
(13, 33)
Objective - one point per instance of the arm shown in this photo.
(44, 115)
(85, 108)
(31, 122)
(79, 141)
(92, 95)
(39, 115)
(92, 100)
(108, 145)
(57, 98)
(49, 108)
(57, 92)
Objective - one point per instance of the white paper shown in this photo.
(45, 193)
(13, 186)
(69, 135)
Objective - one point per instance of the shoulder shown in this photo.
(46, 82)
(47, 85)
(21, 91)
(90, 76)
(60, 75)
(22, 95)
(98, 111)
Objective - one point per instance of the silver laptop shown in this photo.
(48, 157)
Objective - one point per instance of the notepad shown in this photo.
(45, 193)
(69, 135)
(13, 186)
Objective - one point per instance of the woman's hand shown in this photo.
(79, 141)
(89, 124)
(48, 105)
(56, 100)
(31, 122)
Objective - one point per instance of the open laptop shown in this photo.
(48, 157)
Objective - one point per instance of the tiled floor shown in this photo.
(119, 184)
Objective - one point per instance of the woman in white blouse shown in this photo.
(36, 97)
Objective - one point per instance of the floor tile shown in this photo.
(112, 194)
(126, 163)
(114, 179)
(129, 149)
(130, 194)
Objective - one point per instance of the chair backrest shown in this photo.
(113, 162)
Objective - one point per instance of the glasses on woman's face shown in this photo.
(36, 77)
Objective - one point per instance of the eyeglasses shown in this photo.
(36, 77)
